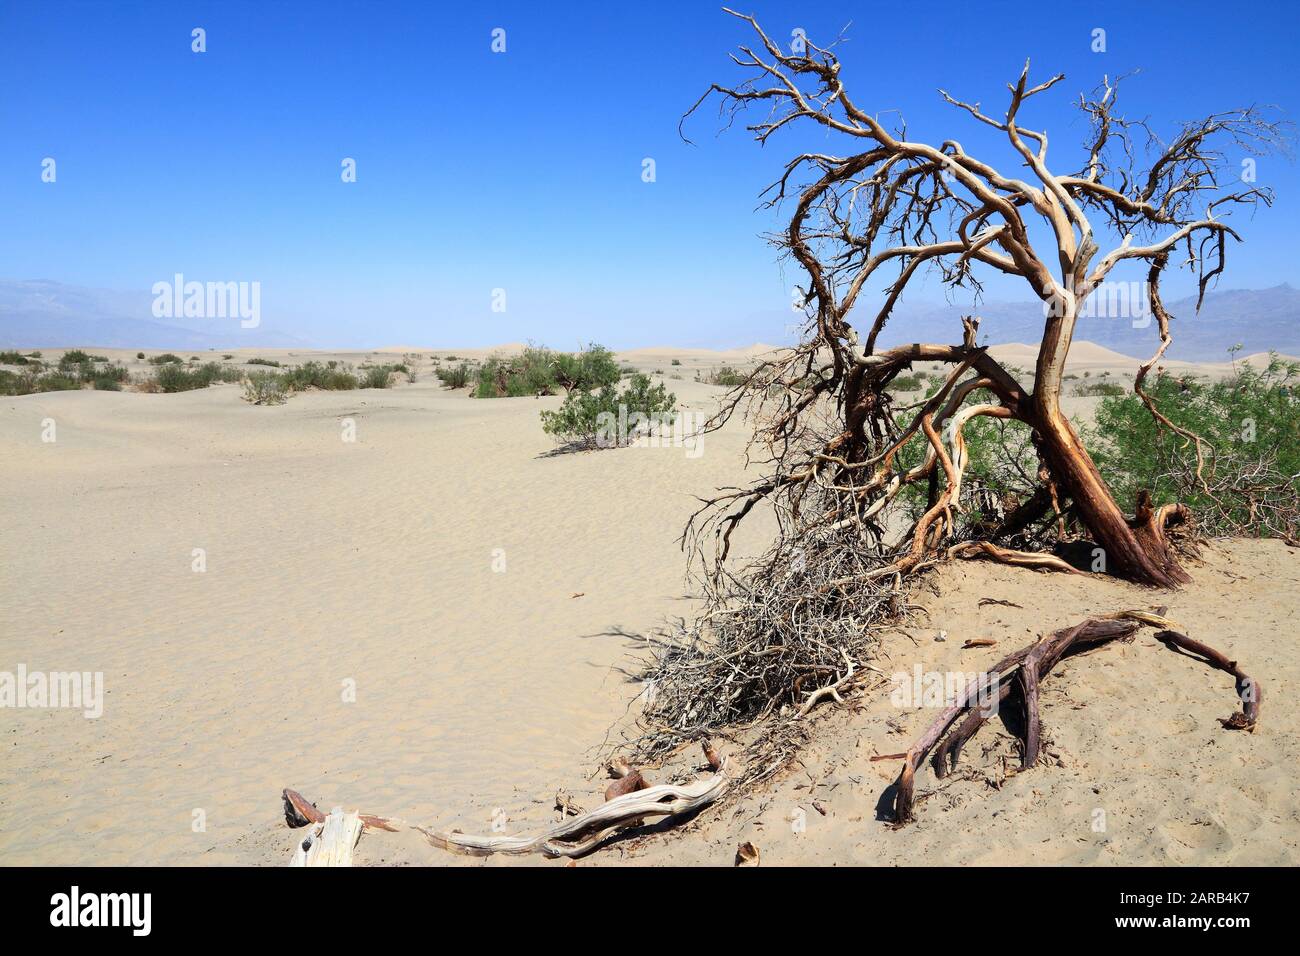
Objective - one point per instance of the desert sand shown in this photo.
(434, 622)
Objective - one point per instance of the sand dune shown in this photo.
(433, 621)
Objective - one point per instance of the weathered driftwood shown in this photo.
(1024, 671)
(1247, 688)
(330, 842)
(629, 801)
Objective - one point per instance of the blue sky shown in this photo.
(522, 170)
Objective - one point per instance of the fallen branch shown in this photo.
(299, 812)
(1247, 688)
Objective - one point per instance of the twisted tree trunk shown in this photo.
(1137, 551)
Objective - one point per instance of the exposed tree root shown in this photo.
(1022, 672)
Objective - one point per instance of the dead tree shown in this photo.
(889, 203)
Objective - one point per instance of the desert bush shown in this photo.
(1104, 389)
(376, 376)
(907, 383)
(75, 358)
(265, 388)
(1250, 480)
(593, 367)
(29, 382)
(178, 378)
(140, 355)
(261, 361)
(724, 375)
(595, 419)
(677, 362)
(532, 372)
(167, 358)
(455, 376)
(12, 358)
(105, 378)
(316, 375)
(13, 384)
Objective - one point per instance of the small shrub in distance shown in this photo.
(261, 361)
(377, 376)
(594, 419)
(265, 388)
(907, 383)
(315, 375)
(73, 359)
(1105, 389)
(166, 358)
(724, 375)
(456, 376)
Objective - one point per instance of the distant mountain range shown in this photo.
(1259, 320)
(36, 313)
(40, 313)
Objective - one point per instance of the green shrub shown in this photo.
(165, 359)
(677, 362)
(1251, 420)
(606, 419)
(261, 361)
(30, 381)
(265, 388)
(907, 383)
(57, 382)
(178, 378)
(75, 359)
(532, 372)
(12, 384)
(175, 378)
(106, 378)
(12, 358)
(139, 355)
(455, 376)
(724, 375)
(1104, 389)
(315, 375)
(594, 367)
(377, 376)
